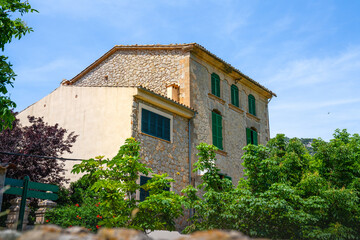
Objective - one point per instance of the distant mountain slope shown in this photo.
(307, 143)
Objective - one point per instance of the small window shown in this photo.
(234, 95)
(215, 84)
(222, 176)
(251, 136)
(217, 130)
(155, 125)
(144, 194)
(252, 108)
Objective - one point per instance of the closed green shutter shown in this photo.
(217, 130)
(252, 108)
(248, 136)
(234, 95)
(255, 137)
(166, 129)
(215, 84)
(214, 128)
(145, 120)
(220, 138)
(155, 125)
(237, 98)
(143, 194)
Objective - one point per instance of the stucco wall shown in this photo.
(154, 69)
(235, 120)
(101, 116)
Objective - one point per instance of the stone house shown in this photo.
(168, 97)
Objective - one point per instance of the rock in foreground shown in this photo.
(52, 232)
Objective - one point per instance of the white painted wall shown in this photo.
(101, 116)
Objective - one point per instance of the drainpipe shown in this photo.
(189, 128)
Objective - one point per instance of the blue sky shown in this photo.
(307, 52)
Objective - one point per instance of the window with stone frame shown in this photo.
(215, 84)
(234, 95)
(252, 105)
(251, 136)
(155, 123)
(217, 129)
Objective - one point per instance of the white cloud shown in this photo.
(48, 72)
(312, 71)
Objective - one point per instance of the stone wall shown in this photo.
(235, 120)
(163, 156)
(154, 69)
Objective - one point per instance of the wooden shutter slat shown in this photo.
(248, 136)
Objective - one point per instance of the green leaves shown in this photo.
(9, 29)
(116, 182)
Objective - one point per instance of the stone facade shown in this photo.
(163, 156)
(153, 69)
(189, 66)
(235, 119)
(103, 105)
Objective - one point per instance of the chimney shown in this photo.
(173, 91)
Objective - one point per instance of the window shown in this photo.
(215, 84)
(234, 95)
(155, 124)
(222, 176)
(144, 194)
(252, 108)
(251, 136)
(217, 130)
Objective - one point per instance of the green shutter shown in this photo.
(248, 136)
(255, 137)
(237, 97)
(252, 108)
(234, 95)
(214, 128)
(145, 120)
(215, 84)
(217, 130)
(220, 138)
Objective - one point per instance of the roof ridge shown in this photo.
(154, 46)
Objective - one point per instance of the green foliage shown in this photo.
(116, 182)
(9, 29)
(211, 198)
(339, 159)
(86, 214)
(288, 193)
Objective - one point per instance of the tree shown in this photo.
(211, 199)
(40, 139)
(9, 29)
(116, 184)
(287, 193)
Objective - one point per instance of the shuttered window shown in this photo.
(234, 95)
(144, 194)
(252, 106)
(217, 130)
(215, 84)
(155, 124)
(251, 136)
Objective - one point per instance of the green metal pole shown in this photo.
(23, 203)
